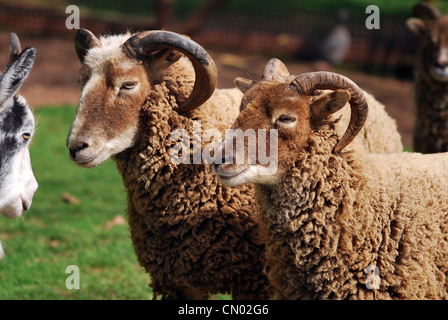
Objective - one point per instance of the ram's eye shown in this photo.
(128, 85)
(26, 136)
(434, 39)
(286, 119)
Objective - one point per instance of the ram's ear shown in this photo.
(327, 102)
(417, 26)
(275, 70)
(244, 84)
(165, 58)
(15, 49)
(85, 40)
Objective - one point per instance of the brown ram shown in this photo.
(431, 79)
(192, 235)
(340, 223)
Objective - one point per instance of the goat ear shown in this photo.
(244, 84)
(328, 102)
(16, 73)
(417, 26)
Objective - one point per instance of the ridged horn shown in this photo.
(14, 50)
(145, 43)
(85, 40)
(425, 10)
(307, 83)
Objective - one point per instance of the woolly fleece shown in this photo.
(431, 113)
(187, 229)
(332, 216)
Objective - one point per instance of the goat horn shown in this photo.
(15, 49)
(425, 10)
(85, 40)
(307, 83)
(145, 43)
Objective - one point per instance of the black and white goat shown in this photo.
(17, 181)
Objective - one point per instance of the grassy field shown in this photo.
(92, 234)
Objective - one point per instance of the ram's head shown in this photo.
(432, 28)
(294, 112)
(117, 73)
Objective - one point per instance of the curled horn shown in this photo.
(425, 10)
(309, 82)
(15, 49)
(145, 43)
(85, 40)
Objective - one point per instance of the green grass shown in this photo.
(55, 234)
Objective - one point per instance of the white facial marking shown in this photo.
(19, 186)
(2, 252)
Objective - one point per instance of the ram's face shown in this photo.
(114, 88)
(437, 55)
(434, 34)
(272, 128)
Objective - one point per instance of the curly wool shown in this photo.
(431, 112)
(333, 216)
(188, 230)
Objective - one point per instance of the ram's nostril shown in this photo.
(79, 147)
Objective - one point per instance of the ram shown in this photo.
(193, 235)
(430, 79)
(340, 224)
(17, 181)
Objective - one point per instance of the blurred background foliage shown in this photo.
(290, 28)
